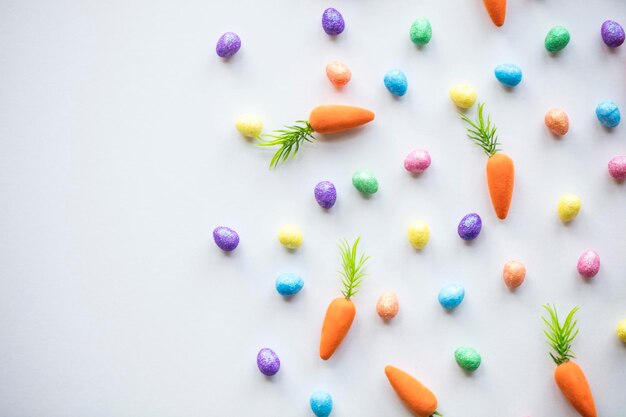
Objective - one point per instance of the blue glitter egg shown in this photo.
(321, 403)
(396, 82)
(288, 284)
(451, 296)
(332, 22)
(608, 114)
(508, 74)
(225, 238)
(470, 226)
(228, 44)
(325, 194)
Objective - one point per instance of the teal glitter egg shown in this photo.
(365, 181)
(467, 358)
(396, 82)
(608, 114)
(321, 403)
(288, 284)
(421, 32)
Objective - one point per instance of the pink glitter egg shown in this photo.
(617, 167)
(557, 121)
(417, 161)
(338, 73)
(387, 305)
(589, 264)
(513, 274)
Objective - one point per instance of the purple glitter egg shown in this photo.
(589, 264)
(325, 194)
(332, 22)
(470, 226)
(612, 33)
(225, 238)
(227, 45)
(268, 362)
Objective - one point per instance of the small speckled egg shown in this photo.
(417, 161)
(588, 264)
(621, 330)
(470, 226)
(290, 236)
(228, 44)
(463, 95)
(557, 38)
(325, 194)
(289, 284)
(612, 33)
(421, 32)
(365, 181)
(513, 273)
(321, 403)
(338, 73)
(467, 358)
(419, 233)
(557, 122)
(332, 22)
(617, 167)
(508, 74)
(451, 296)
(387, 305)
(568, 207)
(608, 114)
(396, 82)
(225, 238)
(268, 362)
(249, 125)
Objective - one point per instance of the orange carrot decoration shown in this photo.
(341, 311)
(496, 10)
(500, 169)
(323, 119)
(419, 399)
(568, 376)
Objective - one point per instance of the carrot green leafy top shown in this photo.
(560, 336)
(481, 132)
(289, 140)
(353, 268)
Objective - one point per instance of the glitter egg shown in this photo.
(365, 181)
(289, 284)
(451, 296)
(467, 358)
(387, 305)
(557, 38)
(228, 44)
(290, 236)
(225, 238)
(568, 207)
(421, 32)
(617, 167)
(417, 161)
(321, 403)
(268, 362)
(621, 330)
(325, 194)
(513, 273)
(588, 264)
(332, 22)
(396, 82)
(608, 114)
(338, 73)
(612, 33)
(418, 233)
(463, 95)
(508, 74)
(557, 122)
(249, 125)
(470, 226)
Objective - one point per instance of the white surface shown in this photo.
(119, 157)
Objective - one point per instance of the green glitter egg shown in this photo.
(421, 32)
(365, 181)
(557, 39)
(467, 358)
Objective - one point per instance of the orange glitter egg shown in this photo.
(513, 274)
(557, 121)
(338, 73)
(387, 305)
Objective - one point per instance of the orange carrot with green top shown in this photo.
(419, 399)
(496, 10)
(323, 119)
(568, 375)
(341, 311)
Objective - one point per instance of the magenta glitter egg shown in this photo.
(228, 44)
(417, 161)
(332, 22)
(225, 238)
(617, 167)
(268, 362)
(589, 264)
(325, 194)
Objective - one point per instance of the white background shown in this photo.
(119, 156)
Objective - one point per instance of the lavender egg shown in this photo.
(589, 264)
(225, 238)
(268, 362)
(470, 226)
(332, 22)
(612, 33)
(325, 194)
(228, 44)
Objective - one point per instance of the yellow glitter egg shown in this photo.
(418, 233)
(249, 125)
(290, 236)
(569, 206)
(338, 73)
(463, 95)
(387, 305)
(621, 331)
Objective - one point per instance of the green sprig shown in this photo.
(353, 268)
(482, 133)
(560, 336)
(288, 140)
